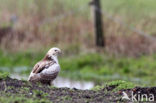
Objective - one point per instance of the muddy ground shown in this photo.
(17, 91)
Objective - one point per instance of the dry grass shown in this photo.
(73, 33)
(132, 45)
(32, 33)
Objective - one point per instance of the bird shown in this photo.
(46, 70)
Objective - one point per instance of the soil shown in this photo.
(12, 87)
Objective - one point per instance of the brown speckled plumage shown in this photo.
(37, 74)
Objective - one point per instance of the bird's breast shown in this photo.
(55, 68)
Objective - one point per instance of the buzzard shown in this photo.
(46, 70)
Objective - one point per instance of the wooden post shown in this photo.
(98, 24)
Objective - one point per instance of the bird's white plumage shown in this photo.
(48, 68)
(31, 75)
(49, 71)
(52, 69)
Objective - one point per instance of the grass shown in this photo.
(96, 67)
(122, 6)
(4, 75)
(143, 7)
(103, 66)
(74, 34)
(119, 85)
(19, 59)
(25, 94)
(72, 30)
(21, 99)
(17, 91)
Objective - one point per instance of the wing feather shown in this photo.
(37, 75)
(40, 66)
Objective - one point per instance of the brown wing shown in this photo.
(43, 78)
(49, 76)
(42, 65)
(36, 67)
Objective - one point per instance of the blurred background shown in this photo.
(28, 28)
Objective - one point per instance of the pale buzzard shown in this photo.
(46, 70)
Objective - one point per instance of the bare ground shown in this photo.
(17, 88)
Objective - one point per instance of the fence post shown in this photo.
(98, 24)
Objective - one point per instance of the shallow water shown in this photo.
(63, 82)
(58, 82)
(67, 82)
(78, 84)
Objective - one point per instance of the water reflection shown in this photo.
(63, 82)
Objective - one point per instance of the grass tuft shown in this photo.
(120, 84)
(4, 75)
(117, 85)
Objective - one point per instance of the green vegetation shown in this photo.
(143, 7)
(19, 59)
(98, 87)
(38, 92)
(38, 29)
(121, 85)
(104, 68)
(100, 68)
(96, 67)
(4, 75)
(17, 91)
(70, 30)
(118, 85)
(25, 94)
(21, 99)
(128, 6)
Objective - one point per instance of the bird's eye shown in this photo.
(55, 50)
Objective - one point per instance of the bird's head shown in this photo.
(54, 52)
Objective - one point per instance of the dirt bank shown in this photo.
(16, 91)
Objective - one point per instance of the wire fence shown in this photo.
(105, 14)
(62, 16)
(133, 29)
